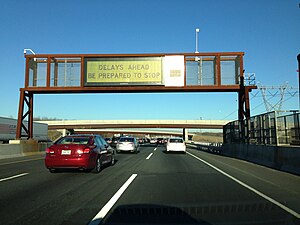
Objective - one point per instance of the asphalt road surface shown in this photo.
(151, 187)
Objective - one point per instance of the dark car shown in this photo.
(114, 142)
(85, 152)
(108, 140)
(160, 141)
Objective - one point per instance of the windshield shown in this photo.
(126, 140)
(177, 140)
(74, 140)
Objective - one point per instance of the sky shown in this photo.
(268, 31)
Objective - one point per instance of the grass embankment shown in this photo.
(208, 137)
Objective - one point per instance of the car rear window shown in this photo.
(176, 140)
(126, 140)
(74, 140)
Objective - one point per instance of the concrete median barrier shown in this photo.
(19, 148)
(284, 158)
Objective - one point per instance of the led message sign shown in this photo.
(123, 71)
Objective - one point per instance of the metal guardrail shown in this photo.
(214, 148)
(266, 129)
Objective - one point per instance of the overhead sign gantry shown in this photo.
(130, 73)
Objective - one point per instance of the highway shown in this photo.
(151, 187)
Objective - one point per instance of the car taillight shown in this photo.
(86, 151)
(79, 151)
(49, 151)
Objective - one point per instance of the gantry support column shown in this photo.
(22, 125)
(244, 111)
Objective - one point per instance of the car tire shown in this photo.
(52, 170)
(98, 166)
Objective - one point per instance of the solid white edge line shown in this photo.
(149, 156)
(250, 188)
(103, 212)
(12, 177)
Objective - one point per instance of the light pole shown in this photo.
(200, 130)
(298, 58)
(28, 49)
(197, 59)
(31, 51)
(197, 31)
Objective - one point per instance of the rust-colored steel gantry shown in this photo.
(131, 73)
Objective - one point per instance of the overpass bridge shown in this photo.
(100, 124)
(92, 126)
(146, 131)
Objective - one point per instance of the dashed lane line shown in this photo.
(103, 212)
(13, 177)
(149, 156)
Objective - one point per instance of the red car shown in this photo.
(86, 152)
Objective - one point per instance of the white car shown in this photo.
(153, 141)
(176, 145)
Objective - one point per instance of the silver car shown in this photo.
(128, 144)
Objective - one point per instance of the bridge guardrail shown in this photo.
(265, 129)
(214, 148)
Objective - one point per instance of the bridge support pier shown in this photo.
(185, 134)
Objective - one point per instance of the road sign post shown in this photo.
(298, 58)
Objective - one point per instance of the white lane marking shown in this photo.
(102, 213)
(294, 213)
(13, 177)
(149, 156)
(155, 149)
(27, 160)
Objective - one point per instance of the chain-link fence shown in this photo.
(266, 129)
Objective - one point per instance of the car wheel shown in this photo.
(52, 170)
(97, 168)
